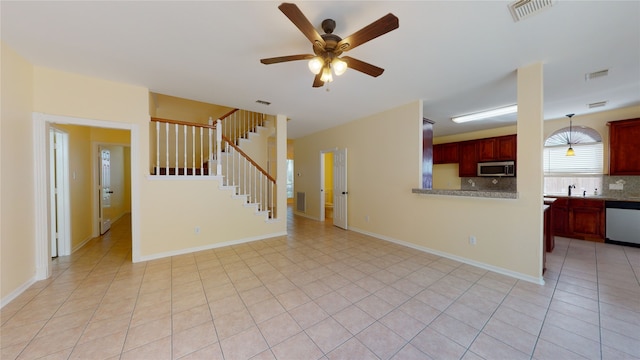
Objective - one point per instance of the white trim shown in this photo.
(41, 183)
(41, 197)
(17, 292)
(211, 246)
(499, 270)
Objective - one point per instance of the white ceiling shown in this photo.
(457, 56)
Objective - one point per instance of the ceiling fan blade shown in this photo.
(379, 27)
(279, 59)
(301, 22)
(362, 66)
(317, 82)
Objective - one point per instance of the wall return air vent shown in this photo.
(522, 9)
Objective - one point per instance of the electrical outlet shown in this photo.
(617, 186)
(472, 240)
(366, 218)
(197, 230)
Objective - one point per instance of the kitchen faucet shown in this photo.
(571, 186)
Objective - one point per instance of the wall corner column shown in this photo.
(529, 155)
(281, 174)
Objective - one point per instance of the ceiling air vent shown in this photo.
(522, 9)
(597, 104)
(263, 102)
(596, 74)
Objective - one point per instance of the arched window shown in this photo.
(588, 159)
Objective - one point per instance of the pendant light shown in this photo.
(570, 151)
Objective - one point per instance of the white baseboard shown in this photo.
(208, 247)
(83, 243)
(499, 270)
(15, 293)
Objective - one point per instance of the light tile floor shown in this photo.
(322, 292)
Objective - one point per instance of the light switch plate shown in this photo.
(616, 186)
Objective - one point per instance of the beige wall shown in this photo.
(175, 108)
(17, 224)
(80, 183)
(163, 227)
(380, 180)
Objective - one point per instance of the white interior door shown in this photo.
(105, 190)
(59, 191)
(340, 188)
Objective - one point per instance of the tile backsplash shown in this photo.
(630, 186)
(488, 183)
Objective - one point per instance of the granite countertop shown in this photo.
(469, 193)
(595, 197)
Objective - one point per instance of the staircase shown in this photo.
(233, 149)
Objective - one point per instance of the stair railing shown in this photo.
(187, 148)
(191, 149)
(248, 178)
(237, 124)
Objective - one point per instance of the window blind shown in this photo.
(588, 159)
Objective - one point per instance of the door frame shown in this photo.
(41, 124)
(61, 211)
(322, 176)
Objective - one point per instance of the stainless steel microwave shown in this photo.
(500, 168)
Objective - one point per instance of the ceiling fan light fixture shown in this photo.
(326, 77)
(485, 114)
(339, 66)
(315, 65)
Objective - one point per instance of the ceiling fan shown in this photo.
(328, 47)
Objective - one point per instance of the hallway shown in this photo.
(324, 293)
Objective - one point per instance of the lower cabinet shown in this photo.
(579, 218)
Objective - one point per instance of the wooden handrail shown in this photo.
(228, 114)
(178, 122)
(249, 159)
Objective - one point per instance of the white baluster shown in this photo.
(201, 153)
(166, 128)
(184, 135)
(193, 150)
(176, 133)
(218, 148)
(157, 148)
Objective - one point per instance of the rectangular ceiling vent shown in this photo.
(597, 104)
(596, 74)
(522, 9)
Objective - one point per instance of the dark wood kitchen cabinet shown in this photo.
(624, 147)
(560, 215)
(578, 218)
(586, 219)
(497, 148)
(468, 157)
(445, 153)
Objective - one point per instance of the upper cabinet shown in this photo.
(468, 158)
(497, 148)
(445, 153)
(469, 153)
(624, 147)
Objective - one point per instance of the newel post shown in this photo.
(219, 147)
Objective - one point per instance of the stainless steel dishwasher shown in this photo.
(623, 223)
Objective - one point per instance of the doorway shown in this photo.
(333, 190)
(43, 123)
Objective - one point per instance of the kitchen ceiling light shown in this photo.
(486, 114)
(570, 151)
